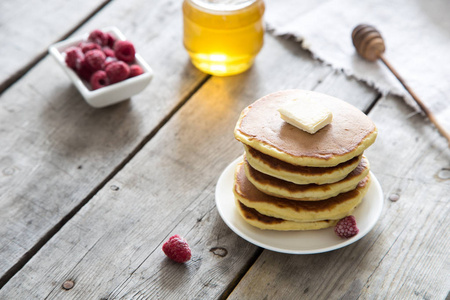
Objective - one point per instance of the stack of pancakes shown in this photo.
(293, 180)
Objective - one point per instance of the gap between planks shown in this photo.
(230, 288)
(55, 229)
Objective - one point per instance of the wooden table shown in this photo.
(88, 196)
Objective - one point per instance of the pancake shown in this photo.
(306, 192)
(256, 219)
(348, 135)
(300, 211)
(298, 174)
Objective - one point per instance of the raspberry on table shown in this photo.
(74, 56)
(117, 71)
(177, 249)
(99, 79)
(135, 70)
(346, 227)
(125, 51)
(99, 37)
(95, 59)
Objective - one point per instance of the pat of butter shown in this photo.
(306, 114)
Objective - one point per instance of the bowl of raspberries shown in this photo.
(103, 65)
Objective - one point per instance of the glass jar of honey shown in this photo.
(223, 37)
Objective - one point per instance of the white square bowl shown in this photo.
(110, 94)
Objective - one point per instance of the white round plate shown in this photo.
(295, 242)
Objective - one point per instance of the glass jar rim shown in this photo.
(217, 6)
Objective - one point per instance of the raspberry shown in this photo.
(95, 59)
(125, 51)
(84, 71)
(108, 52)
(108, 61)
(99, 79)
(135, 70)
(177, 249)
(74, 56)
(99, 37)
(117, 71)
(346, 227)
(111, 40)
(86, 46)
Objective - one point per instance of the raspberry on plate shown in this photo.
(109, 60)
(177, 249)
(346, 227)
(74, 57)
(117, 71)
(84, 71)
(125, 51)
(108, 52)
(99, 79)
(135, 70)
(95, 59)
(86, 46)
(111, 40)
(99, 37)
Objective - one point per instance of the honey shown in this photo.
(223, 37)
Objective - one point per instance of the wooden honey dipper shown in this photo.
(370, 45)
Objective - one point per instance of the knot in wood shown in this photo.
(222, 252)
(444, 174)
(68, 284)
(368, 42)
(8, 171)
(394, 197)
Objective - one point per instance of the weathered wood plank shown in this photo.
(55, 150)
(343, 87)
(111, 248)
(404, 256)
(28, 28)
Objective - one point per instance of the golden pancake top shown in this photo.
(348, 135)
